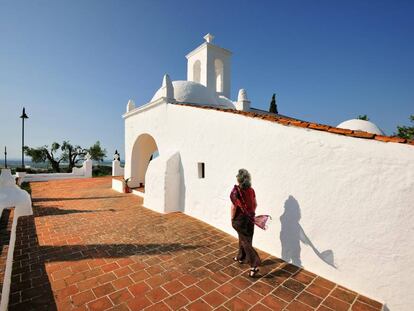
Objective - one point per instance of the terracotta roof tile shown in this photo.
(269, 118)
(303, 124)
(338, 130)
(362, 134)
(390, 139)
(284, 121)
(299, 123)
(319, 127)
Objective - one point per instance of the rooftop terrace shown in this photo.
(88, 247)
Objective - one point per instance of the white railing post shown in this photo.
(117, 170)
(87, 166)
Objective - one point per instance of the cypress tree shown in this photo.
(273, 106)
(406, 132)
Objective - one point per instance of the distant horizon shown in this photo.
(14, 163)
(29, 160)
(74, 65)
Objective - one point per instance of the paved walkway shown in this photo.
(90, 248)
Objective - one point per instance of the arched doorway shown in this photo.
(145, 149)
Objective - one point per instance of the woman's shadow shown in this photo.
(292, 234)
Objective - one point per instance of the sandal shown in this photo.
(239, 261)
(253, 272)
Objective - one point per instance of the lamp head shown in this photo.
(24, 115)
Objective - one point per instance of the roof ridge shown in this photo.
(310, 125)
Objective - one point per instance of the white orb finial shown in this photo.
(209, 38)
(242, 95)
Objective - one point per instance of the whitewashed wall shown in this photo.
(354, 196)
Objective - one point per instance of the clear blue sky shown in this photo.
(74, 64)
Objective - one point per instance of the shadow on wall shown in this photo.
(182, 188)
(292, 234)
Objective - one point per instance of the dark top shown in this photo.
(244, 199)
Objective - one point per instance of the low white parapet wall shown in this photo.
(82, 172)
(11, 196)
(118, 185)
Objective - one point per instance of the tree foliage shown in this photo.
(96, 152)
(71, 154)
(43, 154)
(273, 105)
(38, 155)
(363, 117)
(406, 132)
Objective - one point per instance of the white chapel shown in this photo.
(352, 187)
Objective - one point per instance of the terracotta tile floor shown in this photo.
(90, 248)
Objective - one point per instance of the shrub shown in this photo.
(26, 186)
(101, 170)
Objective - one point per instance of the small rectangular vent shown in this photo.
(201, 170)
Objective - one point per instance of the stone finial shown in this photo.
(209, 38)
(166, 80)
(88, 156)
(167, 87)
(116, 155)
(130, 105)
(243, 103)
(242, 96)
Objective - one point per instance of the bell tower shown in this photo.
(209, 65)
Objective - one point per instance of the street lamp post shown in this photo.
(23, 116)
(5, 157)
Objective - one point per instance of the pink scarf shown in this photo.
(236, 198)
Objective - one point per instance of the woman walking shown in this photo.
(242, 215)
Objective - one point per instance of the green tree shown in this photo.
(72, 154)
(96, 152)
(363, 117)
(406, 132)
(273, 106)
(43, 154)
(69, 153)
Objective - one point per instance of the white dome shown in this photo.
(225, 102)
(195, 93)
(361, 125)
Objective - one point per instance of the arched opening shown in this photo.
(197, 71)
(145, 150)
(218, 65)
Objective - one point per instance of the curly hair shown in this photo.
(244, 179)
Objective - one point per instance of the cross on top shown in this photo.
(209, 38)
